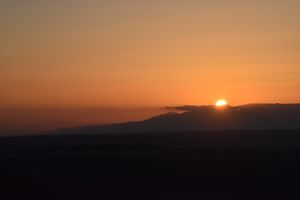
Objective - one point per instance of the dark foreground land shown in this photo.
(217, 165)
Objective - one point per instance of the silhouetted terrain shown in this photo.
(207, 118)
(187, 165)
(245, 152)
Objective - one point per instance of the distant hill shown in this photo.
(206, 118)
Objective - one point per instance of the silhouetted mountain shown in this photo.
(207, 118)
(182, 155)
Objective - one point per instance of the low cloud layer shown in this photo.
(185, 108)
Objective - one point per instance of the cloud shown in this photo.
(186, 108)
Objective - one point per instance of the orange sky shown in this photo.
(138, 53)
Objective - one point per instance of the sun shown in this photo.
(221, 103)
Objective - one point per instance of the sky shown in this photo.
(135, 54)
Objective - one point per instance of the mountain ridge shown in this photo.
(205, 118)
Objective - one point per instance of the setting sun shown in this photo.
(221, 103)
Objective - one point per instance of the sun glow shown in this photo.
(221, 103)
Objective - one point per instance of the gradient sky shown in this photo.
(138, 53)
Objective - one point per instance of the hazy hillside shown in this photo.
(207, 118)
